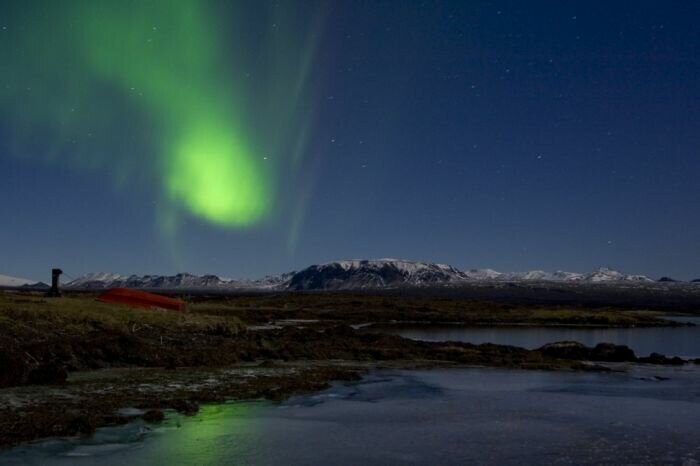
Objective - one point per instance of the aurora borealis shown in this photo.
(243, 138)
(82, 71)
(207, 165)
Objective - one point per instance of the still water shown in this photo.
(647, 415)
(671, 341)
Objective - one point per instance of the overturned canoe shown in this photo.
(135, 298)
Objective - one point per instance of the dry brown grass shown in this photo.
(80, 313)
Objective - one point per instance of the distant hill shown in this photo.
(667, 280)
(35, 286)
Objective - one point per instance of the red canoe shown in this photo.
(142, 299)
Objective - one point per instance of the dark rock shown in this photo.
(566, 350)
(656, 358)
(604, 352)
(609, 352)
(154, 416)
(50, 373)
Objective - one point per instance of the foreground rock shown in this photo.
(605, 352)
(656, 358)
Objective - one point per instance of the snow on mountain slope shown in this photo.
(534, 275)
(483, 274)
(560, 275)
(10, 282)
(541, 275)
(96, 280)
(606, 274)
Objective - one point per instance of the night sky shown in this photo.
(252, 138)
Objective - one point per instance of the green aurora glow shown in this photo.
(198, 438)
(165, 93)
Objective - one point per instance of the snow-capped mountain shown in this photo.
(533, 275)
(11, 282)
(111, 280)
(354, 274)
(606, 274)
(483, 274)
(541, 275)
(97, 280)
(391, 273)
(379, 273)
(183, 281)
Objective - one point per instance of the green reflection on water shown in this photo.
(217, 434)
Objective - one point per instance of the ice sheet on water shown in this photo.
(459, 416)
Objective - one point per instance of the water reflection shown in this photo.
(216, 435)
(675, 341)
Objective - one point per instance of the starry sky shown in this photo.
(257, 137)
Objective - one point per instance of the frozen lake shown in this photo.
(648, 415)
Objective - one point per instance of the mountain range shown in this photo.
(353, 275)
(345, 275)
